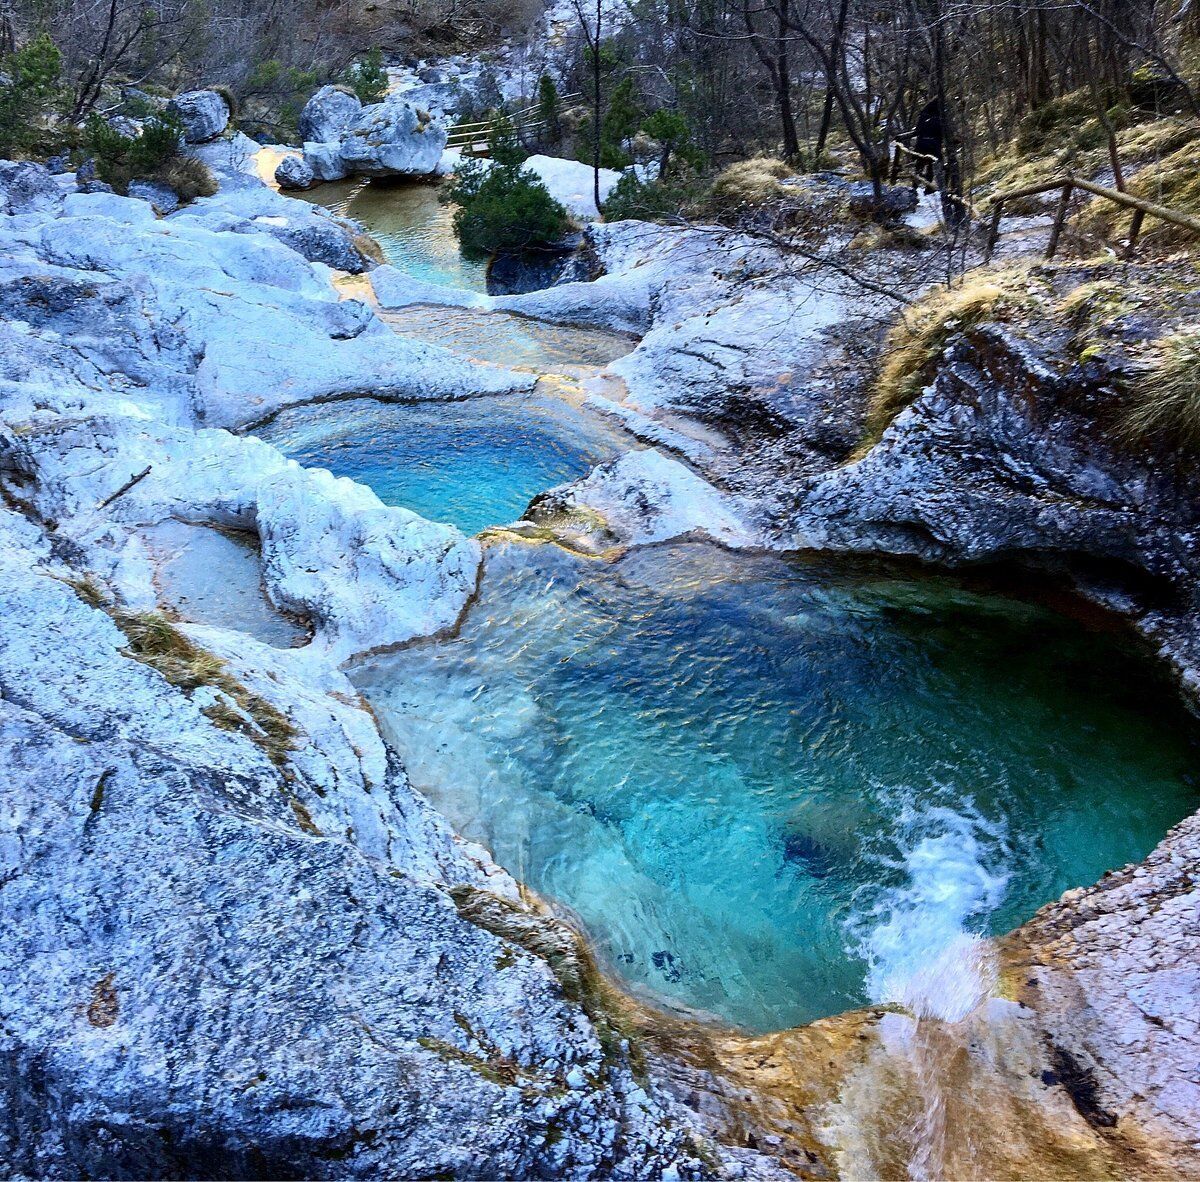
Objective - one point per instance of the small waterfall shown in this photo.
(917, 940)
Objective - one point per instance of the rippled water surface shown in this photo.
(474, 463)
(769, 789)
(411, 225)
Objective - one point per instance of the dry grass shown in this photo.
(1164, 399)
(188, 177)
(917, 341)
(156, 641)
(1173, 181)
(748, 185)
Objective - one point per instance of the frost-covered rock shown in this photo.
(328, 115)
(572, 183)
(203, 113)
(392, 138)
(294, 172)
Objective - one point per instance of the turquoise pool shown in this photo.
(769, 789)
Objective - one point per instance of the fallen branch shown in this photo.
(104, 504)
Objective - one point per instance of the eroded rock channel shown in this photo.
(768, 788)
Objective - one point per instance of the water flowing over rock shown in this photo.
(203, 113)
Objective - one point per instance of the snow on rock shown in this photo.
(572, 183)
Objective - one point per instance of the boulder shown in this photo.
(26, 187)
(203, 113)
(893, 203)
(164, 199)
(392, 138)
(123, 125)
(294, 172)
(328, 115)
(325, 161)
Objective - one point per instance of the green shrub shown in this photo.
(29, 93)
(503, 208)
(548, 109)
(631, 198)
(155, 155)
(368, 78)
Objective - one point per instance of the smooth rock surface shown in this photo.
(203, 113)
(328, 115)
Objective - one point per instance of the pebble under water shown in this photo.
(772, 790)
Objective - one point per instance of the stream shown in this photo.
(769, 789)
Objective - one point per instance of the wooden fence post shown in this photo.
(993, 229)
(1060, 218)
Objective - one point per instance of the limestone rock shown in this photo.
(294, 172)
(162, 197)
(27, 187)
(203, 113)
(324, 161)
(328, 115)
(392, 138)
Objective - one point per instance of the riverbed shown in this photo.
(769, 789)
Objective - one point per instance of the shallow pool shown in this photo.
(474, 464)
(410, 224)
(772, 790)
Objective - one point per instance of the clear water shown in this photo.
(515, 341)
(474, 463)
(411, 226)
(774, 790)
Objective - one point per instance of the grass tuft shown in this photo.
(156, 641)
(918, 340)
(1164, 398)
(748, 185)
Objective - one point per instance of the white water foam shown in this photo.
(916, 936)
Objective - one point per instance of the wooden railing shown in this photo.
(472, 138)
(1068, 183)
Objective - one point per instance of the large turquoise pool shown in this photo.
(772, 789)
